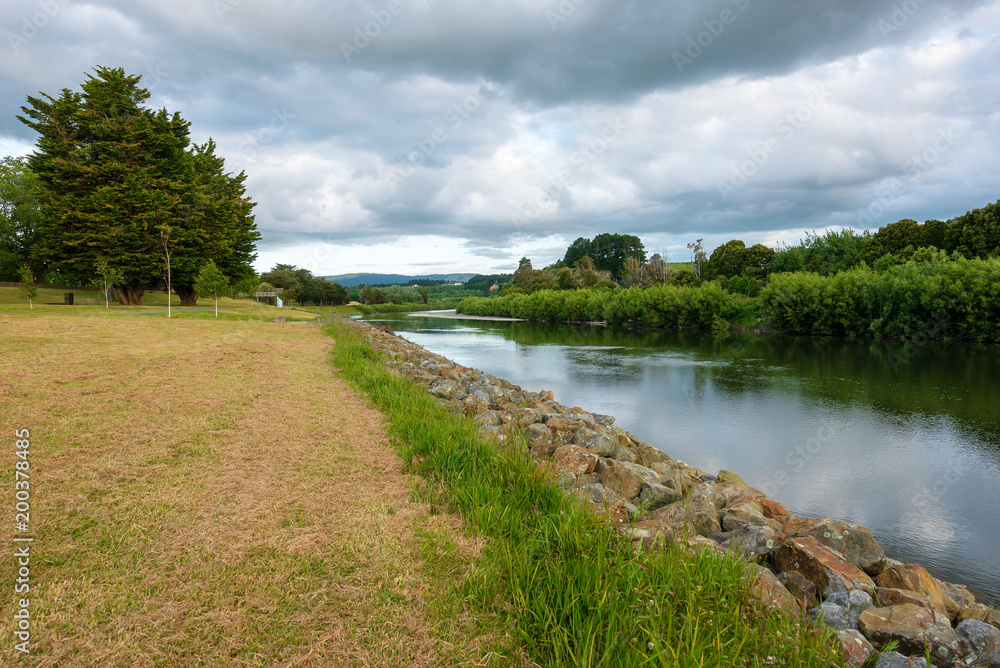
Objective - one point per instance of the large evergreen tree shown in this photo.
(118, 180)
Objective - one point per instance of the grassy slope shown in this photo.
(572, 587)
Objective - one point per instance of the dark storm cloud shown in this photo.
(515, 125)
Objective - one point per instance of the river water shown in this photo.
(901, 438)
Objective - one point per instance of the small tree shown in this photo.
(28, 288)
(264, 286)
(211, 283)
(107, 277)
(698, 257)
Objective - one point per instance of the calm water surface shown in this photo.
(903, 440)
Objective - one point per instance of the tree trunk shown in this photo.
(187, 294)
(130, 295)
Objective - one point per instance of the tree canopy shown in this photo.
(608, 251)
(301, 286)
(115, 177)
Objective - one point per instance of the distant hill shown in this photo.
(352, 280)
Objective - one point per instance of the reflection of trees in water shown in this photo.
(904, 379)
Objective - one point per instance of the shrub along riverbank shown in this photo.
(569, 586)
(941, 297)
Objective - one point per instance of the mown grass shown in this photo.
(91, 302)
(572, 589)
(211, 493)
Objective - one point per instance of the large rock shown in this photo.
(653, 495)
(646, 454)
(561, 424)
(623, 477)
(746, 512)
(802, 588)
(573, 459)
(956, 598)
(991, 660)
(897, 660)
(659, 535)
(888, 597)
(913, 577)
(582, 435)
(854, 603)
(736, 492)
(488, 419)
(675, 480)
(695, 516)
(914, 628)
(766, 588)
(821, 565)
(856, 543)
(773, 510)
(980, 636)
(602, 445)
(711, 493)
(831, 615)
(536, 435)
(855, 647)
(749, 541)
(981, 613)
(607, 502)
(729, 476)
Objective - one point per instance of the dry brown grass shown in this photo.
(210, 493)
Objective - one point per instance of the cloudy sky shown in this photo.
(447, 136)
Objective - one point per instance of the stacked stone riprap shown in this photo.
(829, 569)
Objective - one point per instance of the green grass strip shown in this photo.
(570, 587)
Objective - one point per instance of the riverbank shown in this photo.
(452, 314)
(693, 512)
(576, 589)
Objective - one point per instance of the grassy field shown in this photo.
(91, 302)
(211, 492)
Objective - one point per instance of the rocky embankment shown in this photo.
(833, 572)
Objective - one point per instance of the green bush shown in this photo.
(944, 298)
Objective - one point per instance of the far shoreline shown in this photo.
(452, 314)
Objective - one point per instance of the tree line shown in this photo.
(939, 279)
(117, 190)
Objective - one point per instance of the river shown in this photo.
(901, 438)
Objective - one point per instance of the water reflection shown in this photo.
(903, 439)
